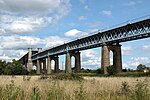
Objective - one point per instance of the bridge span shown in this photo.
(109, 39)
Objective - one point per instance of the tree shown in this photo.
(140, 68)
(2, 66)
(12, 68)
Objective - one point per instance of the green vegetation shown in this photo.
(111, 70)
(63, 76)
(12, 68)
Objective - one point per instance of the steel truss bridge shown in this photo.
(128, 32)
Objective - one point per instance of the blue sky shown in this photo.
(47, 23)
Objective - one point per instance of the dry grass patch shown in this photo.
(91, 88)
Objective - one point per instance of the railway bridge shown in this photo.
(108, 40)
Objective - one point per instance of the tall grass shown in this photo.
(16, 88)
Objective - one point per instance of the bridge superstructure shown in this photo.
(109, 39)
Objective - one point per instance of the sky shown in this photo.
(48, 23)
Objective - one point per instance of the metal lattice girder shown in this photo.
(128, 32)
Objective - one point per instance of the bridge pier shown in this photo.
(68, 63)
(30, 64)
(38, 67)
(68, 68)
(44, 66)
(56, 67)
(117, 57)
(105, 62)
(49, 65)
(77, 62)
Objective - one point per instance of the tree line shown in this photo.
(12, 68)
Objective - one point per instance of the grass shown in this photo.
(123, 74)
(91, 88)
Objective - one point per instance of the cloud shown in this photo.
(146, 48)
(107, 12)
(82, 1)
(94, 25)
(90, 59)
(8, 55)
(127, 50)
(19, 45)
(13, 24)
(82, 18)
(15, 42)
(29, 7)
(135, 61)
(75, 33)
(21, 16)
(133, 3)
(53, 41)
(87, 7)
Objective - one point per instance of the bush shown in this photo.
(63, 76)
(111, 70)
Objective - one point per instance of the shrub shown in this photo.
(62, 76)
(111, 70)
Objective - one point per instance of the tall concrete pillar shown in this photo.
(38, 67)
(56, 69)
(39, 50)
(68, 63)
(44, 66)
(49, 65)
(30, 64)
(105, 59)
(117, 58)
(77, 62)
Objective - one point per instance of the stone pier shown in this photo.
(49, 71)
(44, 66)
(68, 68)
(117, 57)
(68, 63)
(56, 66)
(77, 62)
(38, 67)
(30, 64)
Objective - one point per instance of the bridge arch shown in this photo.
(117, 57)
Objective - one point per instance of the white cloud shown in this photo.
(82, 18)
(93, 24)
(107, 12)
(86, 7)
(15, 46)
(29, 7)
(75, 33)
(13, 24)
(53, 41)
(146, 48)
(16, 42)
(135, 61)
(90, 59)
(8, 55)
(21, 16)
(82, 1)
(133, 3)
(127, 50)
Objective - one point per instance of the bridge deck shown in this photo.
(128, 32)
